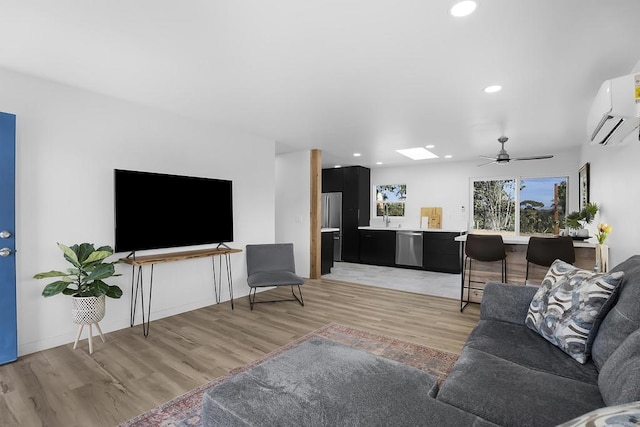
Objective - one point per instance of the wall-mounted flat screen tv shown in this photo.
(154, 210)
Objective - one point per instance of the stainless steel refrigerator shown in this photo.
(332, 218)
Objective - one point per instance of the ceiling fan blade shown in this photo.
(546, 156)
(488, 157)
(488, 163)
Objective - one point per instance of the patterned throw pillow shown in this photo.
(618, 416)
(569, 306)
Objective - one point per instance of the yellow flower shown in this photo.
(603, 231)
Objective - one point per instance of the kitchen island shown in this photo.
(425, 249)
(516, 249)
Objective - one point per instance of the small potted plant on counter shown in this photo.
(577, 220)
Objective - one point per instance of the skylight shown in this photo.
(418, 153)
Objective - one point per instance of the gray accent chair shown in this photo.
(272, 264)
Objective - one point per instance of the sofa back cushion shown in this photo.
(619, 378)
(623, 318)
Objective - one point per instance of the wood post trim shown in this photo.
(315, 213)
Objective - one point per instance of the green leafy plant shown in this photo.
(576, 220)
(86, 277)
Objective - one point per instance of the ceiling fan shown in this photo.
(503, 157)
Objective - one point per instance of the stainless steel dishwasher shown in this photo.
(409, 248)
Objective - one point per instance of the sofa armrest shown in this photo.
(508, 303)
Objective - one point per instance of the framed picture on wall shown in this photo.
(583, 185)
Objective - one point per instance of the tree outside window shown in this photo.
(543, 203)
(390, 198)
(494, 204)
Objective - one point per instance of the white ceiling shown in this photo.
(344, 76)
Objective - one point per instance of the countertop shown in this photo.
(328, 230)
(426, 230)
(523, 240)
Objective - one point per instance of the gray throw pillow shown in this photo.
(619, 378)
(569, 306)
(613, 416)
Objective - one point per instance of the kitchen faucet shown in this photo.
(385, 215)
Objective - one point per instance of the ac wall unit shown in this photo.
(614, 114)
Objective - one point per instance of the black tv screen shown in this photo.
(154, 210)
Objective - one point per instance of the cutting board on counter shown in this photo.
(432, 216)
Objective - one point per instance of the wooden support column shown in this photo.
(315, 223)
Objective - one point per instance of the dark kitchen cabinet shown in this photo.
(441, 252)
(378, 247)
(355, 209)
(326, 252)
(332, 180)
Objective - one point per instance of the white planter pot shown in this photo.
(87, 310)
(583, 232)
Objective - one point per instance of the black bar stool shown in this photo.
(544, 250)
(483, 248)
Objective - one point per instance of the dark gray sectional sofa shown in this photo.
(507, 375)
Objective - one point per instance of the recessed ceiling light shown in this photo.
(357, 154)
(463, 8)
(493, 89)
(418, 153)
(378, 163)
(337, 166)
(430, 146)
(448, 156)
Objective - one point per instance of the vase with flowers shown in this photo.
(602, 250)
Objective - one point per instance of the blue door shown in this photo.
(8, 322)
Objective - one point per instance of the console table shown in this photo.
(151, 260)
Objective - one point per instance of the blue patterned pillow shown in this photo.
(627, 415)
(569, 306)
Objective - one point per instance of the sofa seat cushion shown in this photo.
(519, 344)
(569, 306)
(624, 317)
(509, 394)
(321, 382)
(274, 278)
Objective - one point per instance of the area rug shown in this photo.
(185, 410)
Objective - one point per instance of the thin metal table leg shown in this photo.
(145, 326)
(229, 277)
(217, 281)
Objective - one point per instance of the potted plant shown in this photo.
(577, 220)
(84, 281)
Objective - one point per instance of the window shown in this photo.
(494, 205)
(526, 206)
(543, 202)
(390, 199)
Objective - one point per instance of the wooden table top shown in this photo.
(177, 256)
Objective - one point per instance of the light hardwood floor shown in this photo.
(129, 374)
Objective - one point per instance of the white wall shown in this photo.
(68, 143)
(447, 185)
(293, 206)
(615, 187)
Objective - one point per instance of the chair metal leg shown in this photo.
(300, 300)
(252, 299)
